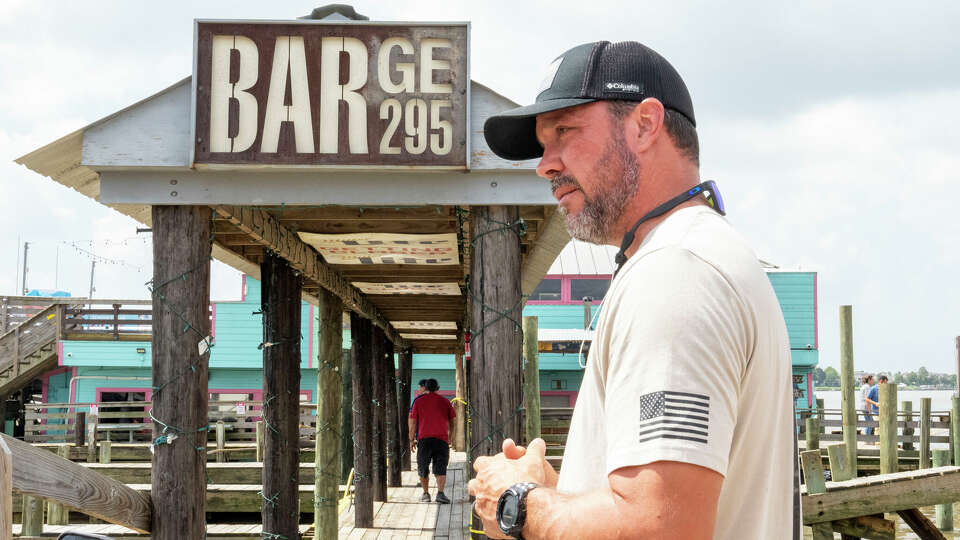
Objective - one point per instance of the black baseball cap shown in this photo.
(590, 72)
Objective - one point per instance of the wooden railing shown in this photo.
(129, 421)
(27, 337)
(82, 318)
(908, 424)
(37, 473)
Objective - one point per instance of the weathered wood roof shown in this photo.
(152, 136)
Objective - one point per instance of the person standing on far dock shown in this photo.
(683, 426)
(864, 403)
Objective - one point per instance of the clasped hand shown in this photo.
(497, 473)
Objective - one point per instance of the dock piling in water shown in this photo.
(944, 512)
(847, 398)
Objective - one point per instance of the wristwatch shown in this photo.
(512, 509)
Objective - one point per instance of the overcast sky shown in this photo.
(831, 128)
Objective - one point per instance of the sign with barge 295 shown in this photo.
(317, 93)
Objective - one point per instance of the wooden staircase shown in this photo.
(30, 349)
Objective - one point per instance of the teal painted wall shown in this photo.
(796, 292)
(558, 316)
(220, 379)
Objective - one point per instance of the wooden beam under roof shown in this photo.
(272, 235)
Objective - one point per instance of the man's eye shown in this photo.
(562, 129)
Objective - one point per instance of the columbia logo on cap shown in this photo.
(622, 87)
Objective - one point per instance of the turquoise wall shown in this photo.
(796, 292)
(220, 379)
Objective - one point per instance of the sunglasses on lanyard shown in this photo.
(708, 189)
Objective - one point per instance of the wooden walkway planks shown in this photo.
(404, 517)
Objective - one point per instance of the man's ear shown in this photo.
(645, 124)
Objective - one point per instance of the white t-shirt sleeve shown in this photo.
(679, 341)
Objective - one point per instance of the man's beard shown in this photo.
(619, 173)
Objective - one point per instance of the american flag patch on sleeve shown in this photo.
(674, 415)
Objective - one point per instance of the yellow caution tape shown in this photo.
(456, 399)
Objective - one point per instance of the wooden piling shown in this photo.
(944, 512)
(106, 452)
(394, 445)
(847, 390)
(92, 422)
(181, 321)
(531, 378)
(404, 374)
(907, 408)
(460, 423)
(79, 428)
(812, 466)
(839, 466)
(6, 490)
(32, 516)
(925, 406)
(259, 435)
(888, 428)
(346, 419)
(329, 389)
(360, 334)
(280, 304)
(812, 433)
(496, 394)
(379, 447)
(820, 414)
(955, 429)
(58, 514)
(221, 434)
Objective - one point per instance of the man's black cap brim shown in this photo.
(512, 134)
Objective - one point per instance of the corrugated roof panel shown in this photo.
(583, 258)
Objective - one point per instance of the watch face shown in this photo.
(511, 507)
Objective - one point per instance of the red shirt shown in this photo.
(432, 412)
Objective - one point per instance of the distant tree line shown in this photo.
(920, 377)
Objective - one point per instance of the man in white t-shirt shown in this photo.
(683, 427)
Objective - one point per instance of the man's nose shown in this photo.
(550, 164)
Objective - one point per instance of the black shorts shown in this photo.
(436, 450)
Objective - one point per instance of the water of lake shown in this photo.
(940, 398)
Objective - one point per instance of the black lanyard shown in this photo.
(708, 188)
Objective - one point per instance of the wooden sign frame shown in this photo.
(256, 103)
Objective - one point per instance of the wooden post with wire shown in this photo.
(848, 400)
(259, 435)
(405, 374)
(362, 369)
(181, 325)
(495, 375)
(280, 304)
(379, 442)
(395, 445)
(346, 417)
(460, 423)
(531, 379)
(327, 449)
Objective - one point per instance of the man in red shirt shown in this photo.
(431, 420)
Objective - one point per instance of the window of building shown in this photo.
(549, 290)
(594, 289)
